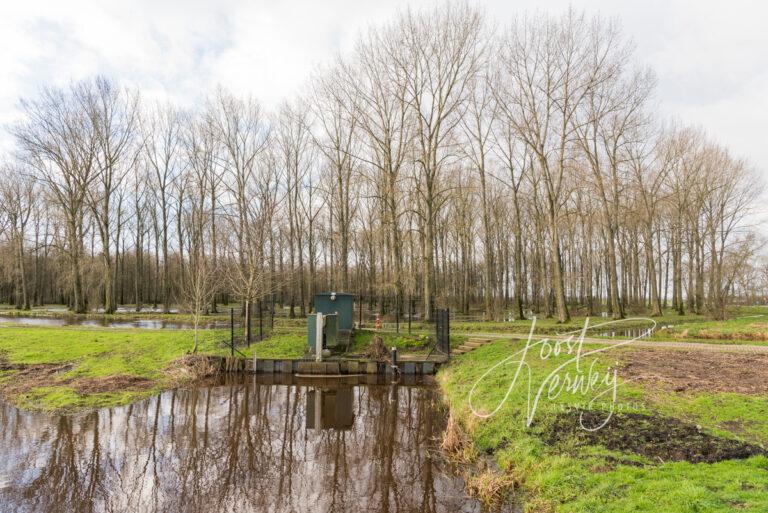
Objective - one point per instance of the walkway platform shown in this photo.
(407, 364)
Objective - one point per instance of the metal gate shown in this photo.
(443, 331)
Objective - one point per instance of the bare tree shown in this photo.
(58, 140)
(547, 74)
(293, 141)
(438, 160)
(199, 287)
(241, 129)
(161, 133)
(336, 120)
(477, 124)
(114, 114)
(17, 198)
(441, 53)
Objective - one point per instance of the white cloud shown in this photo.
(711, 59)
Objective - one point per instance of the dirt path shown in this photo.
(652, 344)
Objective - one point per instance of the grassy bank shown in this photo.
(649, 458)
(58, 369)
(72, 368)
(67, 369)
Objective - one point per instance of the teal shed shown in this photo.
(340, 303)
(330, 331)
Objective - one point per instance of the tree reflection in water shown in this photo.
(246, 446)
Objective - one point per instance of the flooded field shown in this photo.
(244, 446)
(150, 324)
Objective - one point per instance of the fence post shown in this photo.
(397, 313)
(448, 332)
(261, 323)
(360, 304)
(410, 313)
(232, 332)
(248, 312)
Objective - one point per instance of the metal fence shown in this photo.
(242, 330)
(238, 333)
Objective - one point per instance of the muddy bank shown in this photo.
(697, 371)
(657, 438)
(18, 380)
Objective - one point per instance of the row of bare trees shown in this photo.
(506, 171)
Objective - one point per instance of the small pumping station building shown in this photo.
(335, 310)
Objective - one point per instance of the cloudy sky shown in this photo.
(711, 57)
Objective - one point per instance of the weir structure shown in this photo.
(330, 331)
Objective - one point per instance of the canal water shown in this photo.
(248, 445)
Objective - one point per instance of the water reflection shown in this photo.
(330, 408)
(627, 334)
(241, 447)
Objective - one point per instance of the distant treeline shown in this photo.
(498, 169)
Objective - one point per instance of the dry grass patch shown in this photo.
(189, 368)
(376, 350)
(457, 444)
(118, 383)
(490, 487)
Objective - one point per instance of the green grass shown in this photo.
(287, 343)
(727, 414)
(412, 344)
(552, 326)
(103, 350)
(278, 345)
(746, 325)
(589, 479)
